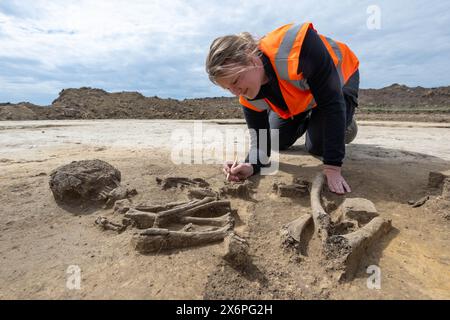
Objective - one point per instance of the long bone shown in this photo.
(345, 250)
(156, 239)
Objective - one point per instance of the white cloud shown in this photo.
(89, 32)
(159, 47)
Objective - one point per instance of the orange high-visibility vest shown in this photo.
(282, 46)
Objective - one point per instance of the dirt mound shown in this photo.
(399, 101)
(20, 111)
(406, 97)
(88, 103)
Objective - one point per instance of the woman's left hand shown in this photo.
(336, 182)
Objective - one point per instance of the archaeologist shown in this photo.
(294, 80)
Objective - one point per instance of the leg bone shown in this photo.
(348, 249)
(321, 218)
(218, 222)
(142, 219)
(155, 239)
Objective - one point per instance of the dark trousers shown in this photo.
(312, 122)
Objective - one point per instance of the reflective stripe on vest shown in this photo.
(338, 53)
(311, 105)
(282, 56)
(283, 53)
(283, 48)
(260, 104)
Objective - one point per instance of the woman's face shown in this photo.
(246, 83)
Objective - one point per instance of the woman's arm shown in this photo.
(320, 72)
(257, 121)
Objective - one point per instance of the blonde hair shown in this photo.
(230, 55)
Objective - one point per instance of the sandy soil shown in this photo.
(388, 164)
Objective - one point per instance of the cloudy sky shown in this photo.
(159, 47)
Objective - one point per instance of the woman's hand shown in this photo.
(336, 183)
(238, 173)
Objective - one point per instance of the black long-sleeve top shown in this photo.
(320, 72)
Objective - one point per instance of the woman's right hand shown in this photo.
(238, 173)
